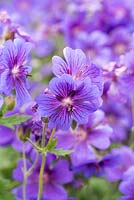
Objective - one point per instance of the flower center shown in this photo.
(68, 103)
(81, 135)
(45, 177)
(15, 70)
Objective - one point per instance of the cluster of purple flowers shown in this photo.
(89, 103)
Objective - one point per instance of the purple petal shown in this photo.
(63, 86)
(54, 192)
(6, 82)
(61, 118)
(83, 154)
(65, 140)
(61, 173)
(59, 66)
(47, 104)
(126, 198)
(6, 136)
(22, 95)
(23, 49)
(76, 59)
(95, 73)
(17, 145)
(9, 53)
(127, 187)
(18, 172)
(81, 112)
(32, 189)
(100, 137)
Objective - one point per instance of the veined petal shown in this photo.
(81, 112)
(95, 73)
(9, 53)
(22, 94)
(47, 104)
(6, 82)
(23, 49)
(59, 66)
(61, 118)
(76, 59)
(63, 86)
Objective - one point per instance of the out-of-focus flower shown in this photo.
(125, 161)
(93, 134)
(54, 175)
(127, 185)
(14, 70)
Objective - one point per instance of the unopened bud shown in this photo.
(9, 102)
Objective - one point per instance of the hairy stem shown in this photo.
(24, 172)
(42, 164)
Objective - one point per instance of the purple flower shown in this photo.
(118, 117)
(127, 185)
(6, 136)
(77, 66)
(13, 69)
(54, 175)
(67, 100)
(84, 138)
(125, 161)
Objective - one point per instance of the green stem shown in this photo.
(41, 176)
(51, 137)
(33, 144)
(24, 172)
(29, 171)
(43, 163)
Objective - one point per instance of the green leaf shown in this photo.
(51, 145)
(13, 120)
(60, 152)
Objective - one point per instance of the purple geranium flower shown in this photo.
(13, 71)
(127, 185)
(67, 100)
(93, 134)
(54, 175)
(125, 161)
(77, 65)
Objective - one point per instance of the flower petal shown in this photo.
(83, 154)
(100, 137)
(76, 59)
(22, 94)
(59, 66)
(54, 192)
(61, 173)
(23, 49)
(63, 86)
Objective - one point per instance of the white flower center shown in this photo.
(81, 135)
(68, 103)
(15, 70)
